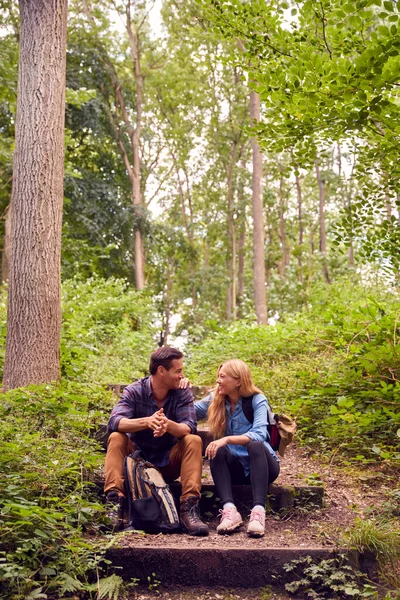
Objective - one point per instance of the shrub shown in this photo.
(48, 460)
(335, 366)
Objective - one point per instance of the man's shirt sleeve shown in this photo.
(185, 411)
(125, 408)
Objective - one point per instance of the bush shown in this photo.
(107, 335)
(335, 366)
(48, 460)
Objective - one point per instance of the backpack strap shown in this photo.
(247, 406)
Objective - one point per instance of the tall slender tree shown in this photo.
(260, 299)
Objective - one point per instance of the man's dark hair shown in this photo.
(163, 357)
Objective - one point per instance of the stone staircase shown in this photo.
(233, 561)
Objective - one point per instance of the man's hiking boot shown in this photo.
(190, 517)
(115, 510)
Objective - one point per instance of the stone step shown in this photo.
(281, 498)
(208, 565)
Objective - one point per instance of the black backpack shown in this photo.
(151, 504)
(272, 427)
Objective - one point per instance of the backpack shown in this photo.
(151, 504)
(281, 428)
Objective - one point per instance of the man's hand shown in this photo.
(212, 448)
(184, 383)
(161, 429)
(156, 420)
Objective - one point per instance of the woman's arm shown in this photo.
(201, 407)
(259, 431)
(239, 440)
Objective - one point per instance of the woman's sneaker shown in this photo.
(256, 526)
(231, 519)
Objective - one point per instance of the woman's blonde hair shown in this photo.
(237, 369)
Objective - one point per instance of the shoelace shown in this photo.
(257, 515)
(225, 513)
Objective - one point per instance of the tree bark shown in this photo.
(231, 256)
(135, 141)
(260, 300)
(321, 216)
(301, 233)
(282, 230)
(34, 301)
(5, 256)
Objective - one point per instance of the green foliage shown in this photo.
(332, 579)
(335, 366)
(380, 536)
(107, 334)
(48, 460)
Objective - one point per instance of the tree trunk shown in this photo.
(300, 219)
(5, 256)
(282, 230)
(241, 248)
(168, 299)
(135, 140)
(322, 230)
(34, 300)
(260, 299)
(241, 231)
(231, 256)
(132, 163)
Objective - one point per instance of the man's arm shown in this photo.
(154, 422)
(184, 421)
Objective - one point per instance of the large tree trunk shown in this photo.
(34, 301)
(322, 230)
(260, 299)
(5, 256)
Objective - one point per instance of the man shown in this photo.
(156, 415)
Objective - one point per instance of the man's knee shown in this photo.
(117, 440)
(191, 440)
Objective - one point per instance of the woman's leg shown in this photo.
(225, 468)
(264, 469)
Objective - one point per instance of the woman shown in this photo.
(240, 452)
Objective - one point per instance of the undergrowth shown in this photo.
(49, 507)
(335, 367)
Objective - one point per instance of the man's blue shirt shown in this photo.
(137, 401)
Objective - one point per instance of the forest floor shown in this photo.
(202, 593)
(348, 494)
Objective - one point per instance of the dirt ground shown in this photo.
(347, 496)
(266, 593)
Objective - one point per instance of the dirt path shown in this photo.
(266, 593)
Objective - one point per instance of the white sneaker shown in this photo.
(231, 519)
(256, 526)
